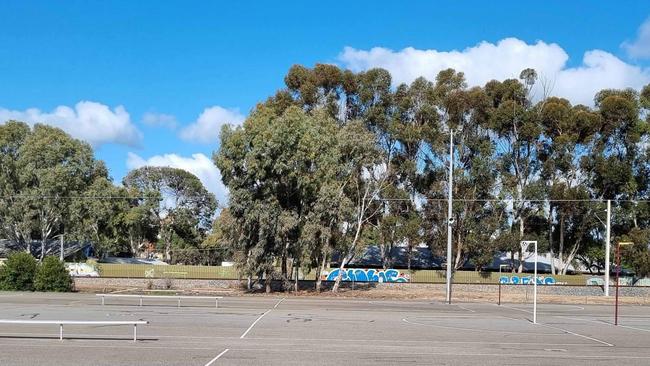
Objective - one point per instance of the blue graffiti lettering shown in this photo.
(526, 280)
(368, 275)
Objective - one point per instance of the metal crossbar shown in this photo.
(177, 297)
(61, 323)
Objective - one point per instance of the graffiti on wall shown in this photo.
(368, 275)
(82, 270)
(526, 280)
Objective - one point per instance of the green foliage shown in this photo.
(174, 202)
(17, 273)
(52, 276)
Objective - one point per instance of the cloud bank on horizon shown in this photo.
(505, 59)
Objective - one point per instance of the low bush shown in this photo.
(52, 276)
(18, 272)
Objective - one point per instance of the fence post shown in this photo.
(135, 332)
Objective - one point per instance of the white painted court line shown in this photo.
(255, 322)
(456, 355)
(578, 335)
(279, 302)
(479, 330)
(216, 358)
(464, 308)
(629, 327)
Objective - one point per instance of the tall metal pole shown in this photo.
(618, 273)
(607, 245)
(61, 256)
(535, 288)
(449, 213)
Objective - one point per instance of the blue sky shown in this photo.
(132, 77)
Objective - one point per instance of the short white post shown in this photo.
(60, 332)
(216, 303)
(102, 300)
(179, 302)
(140, 300)
(135, 332)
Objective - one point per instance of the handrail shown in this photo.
(178, 297)
(61, 323)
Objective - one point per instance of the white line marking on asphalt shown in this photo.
(401, 343)
(216, 358)
(255, 322)
(279, 302)
(480, 330)
(465, 354)
(583, 320)
(464, 308)
(578, 335)
(635, 328)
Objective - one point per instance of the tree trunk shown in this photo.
(344, 261)
(267, 282)
(283, 265)
(319, 272)
(560, 252)
(43, 240)
(459, 250)
(295, 286)
(550, 239)
(521, 252)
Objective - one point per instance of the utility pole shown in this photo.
(607, 245)
(450, 220)
(61, 256)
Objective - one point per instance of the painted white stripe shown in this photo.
(216, 358)
(464, 308)
(255, 322)
(210, 339)
(579, 335)
(456, 355)
(279, 302)
(635, 328)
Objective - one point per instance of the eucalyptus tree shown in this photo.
(184, 208)
(274, 166)
(53, 169)
(361, 179)
(568, 140)
(15, 215)
(517, 134)
(99, 216)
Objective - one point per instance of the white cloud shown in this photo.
(640, 47)
(198, 164)
(90, 121)
(207, 127)
(159, 120)
(505, 59)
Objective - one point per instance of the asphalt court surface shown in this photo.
(319, 331)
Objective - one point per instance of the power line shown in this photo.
(434, 199)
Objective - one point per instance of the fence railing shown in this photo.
(230, 273)
(170, 271)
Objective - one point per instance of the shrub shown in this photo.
(18, 272)
(52, 276)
